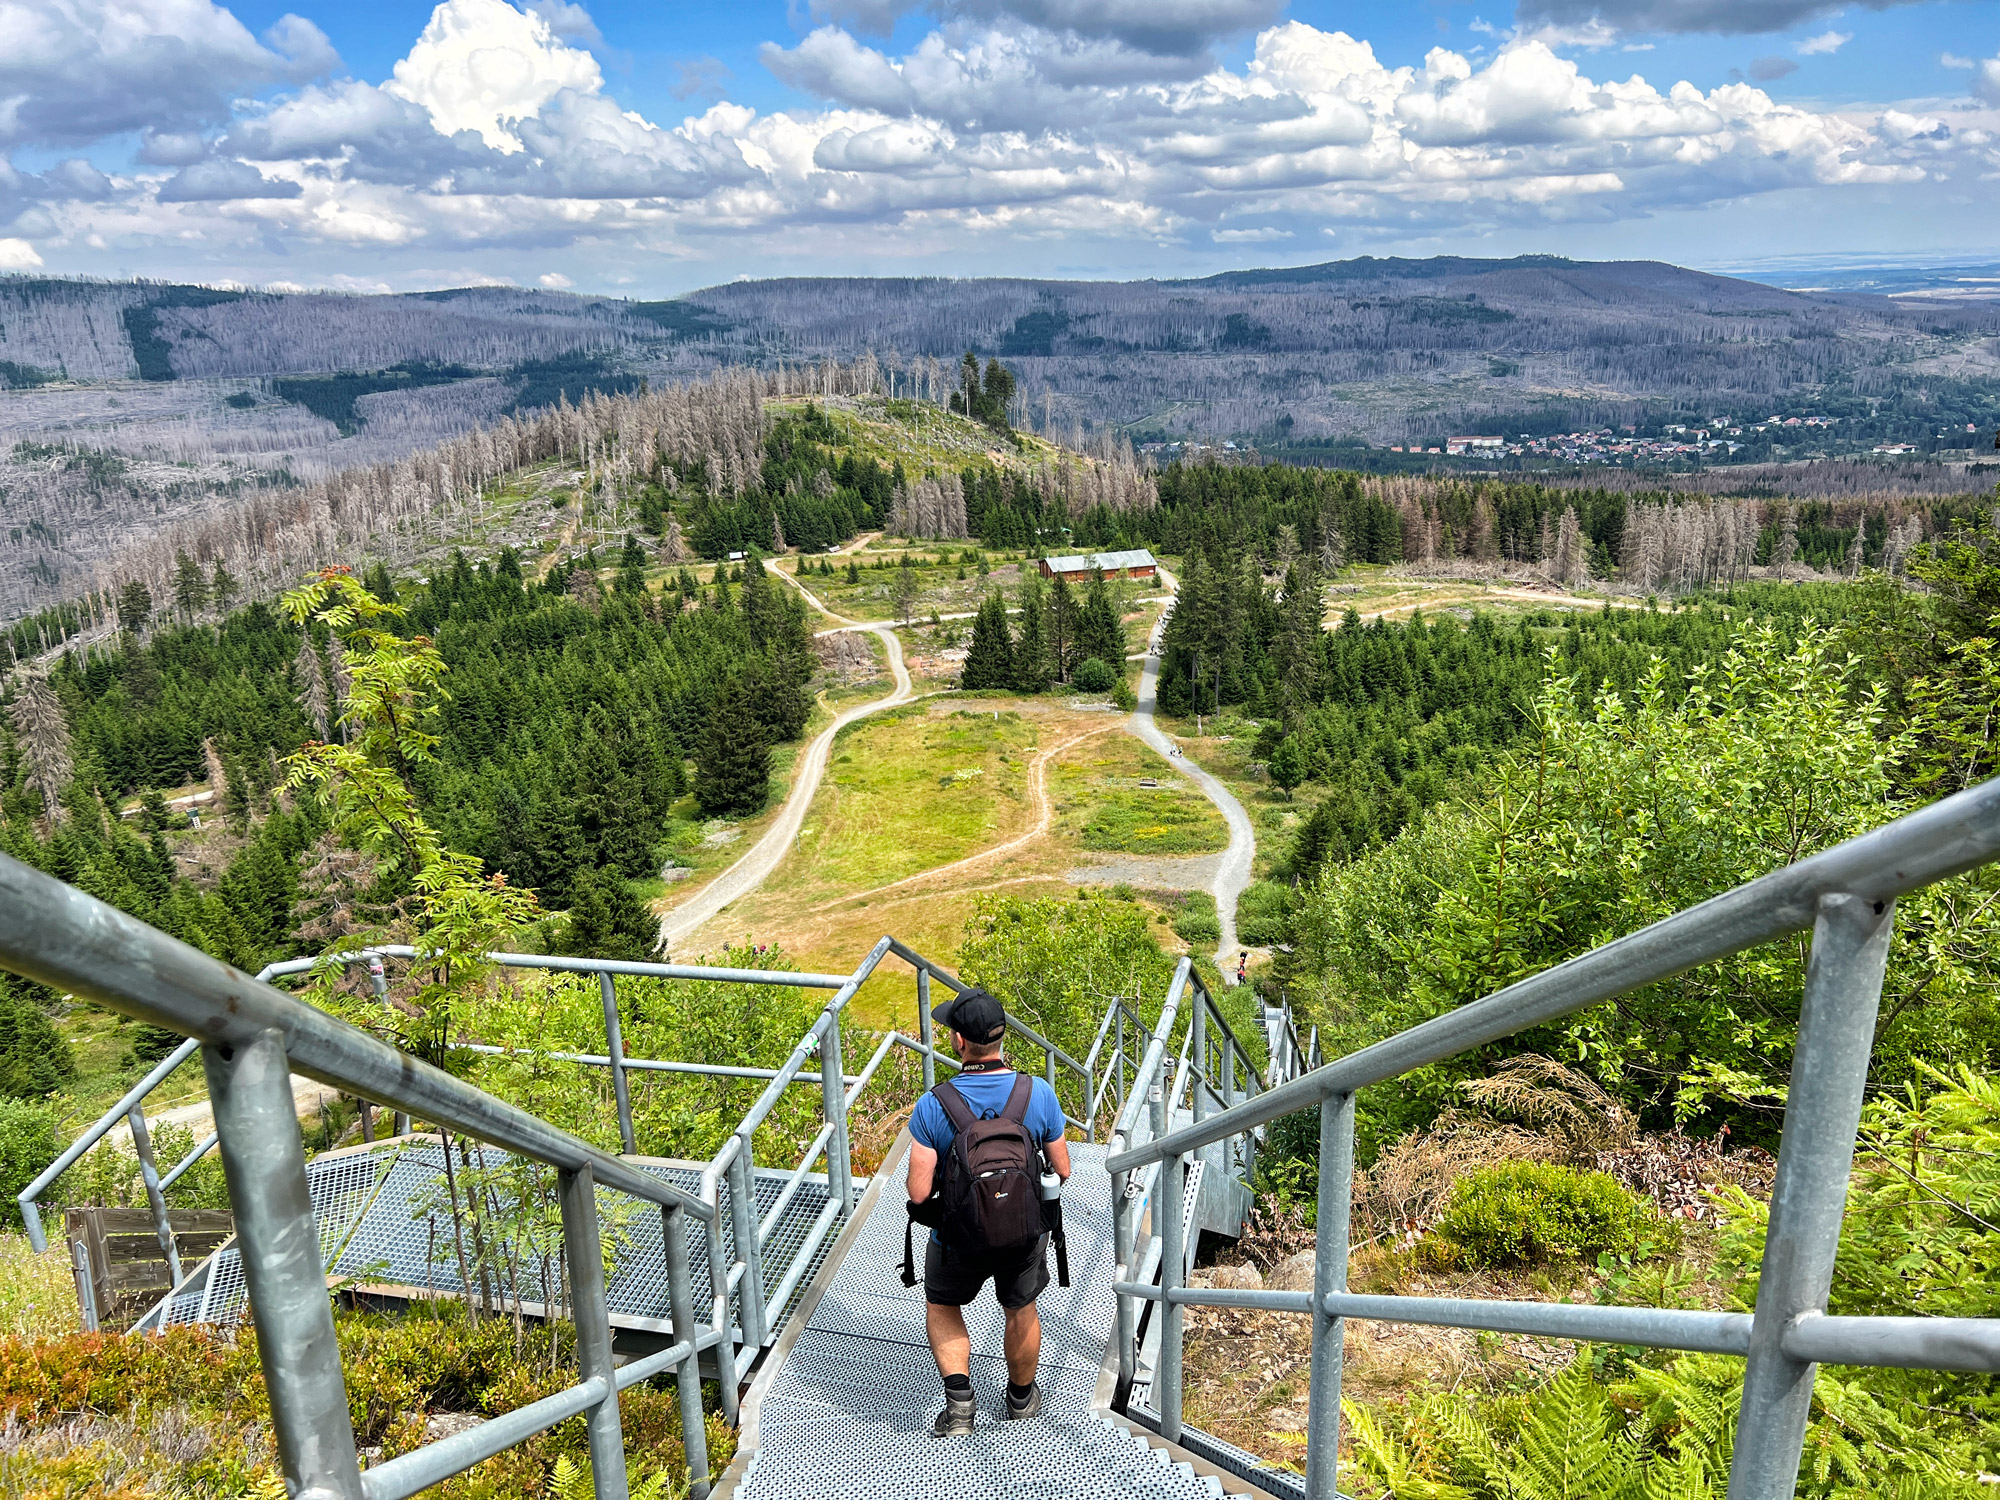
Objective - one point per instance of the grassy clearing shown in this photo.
(947, 580)
(919, 436)
(911, 789)
(1374, 590)
(1101, 806)
(1224, 750)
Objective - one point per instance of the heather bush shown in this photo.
(1524, 1213)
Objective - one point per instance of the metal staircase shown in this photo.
(779, 1275)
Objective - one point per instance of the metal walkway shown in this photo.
(379, 1230)
(848, 1409)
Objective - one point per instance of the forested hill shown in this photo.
(130, 409)
(582, 709)
(1394, 349)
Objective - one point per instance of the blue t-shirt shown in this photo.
(986, 1095)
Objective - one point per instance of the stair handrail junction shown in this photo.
(1847, 896)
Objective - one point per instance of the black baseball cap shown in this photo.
(973, 1014)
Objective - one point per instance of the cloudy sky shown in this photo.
(643, 148)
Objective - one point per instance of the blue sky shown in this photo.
(645, 149)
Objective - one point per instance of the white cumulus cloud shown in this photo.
(1825, 42)
(482, 65)
(75, 71)
(1003, 125)
(1986, 80)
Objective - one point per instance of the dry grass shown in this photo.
(120, 1458)
(37, 1292)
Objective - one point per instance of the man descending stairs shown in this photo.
(848, 1410)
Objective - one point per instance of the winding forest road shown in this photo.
(755, 867)
(764, 856)
(1232, 872)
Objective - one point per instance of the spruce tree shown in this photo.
(1061, 627)
(732, 761)
(1099, 632)
(632, 567)
(1031, 653)
(190, 586)
(34, 1059)
(606, 920)
(989, 663)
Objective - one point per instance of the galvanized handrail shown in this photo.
(1847, 895)
(252, 1038)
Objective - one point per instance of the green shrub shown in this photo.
(1196, 920)
(1523, 1213)
(1263, 913)
(28, 1142)
(1094, 675)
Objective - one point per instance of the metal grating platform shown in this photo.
(849, 1410)
(375, 1228)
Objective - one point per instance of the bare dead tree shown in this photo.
(43, 734)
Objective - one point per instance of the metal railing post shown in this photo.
(378, 985)
(1843, 991)
(1118, 1064)
(687, 1329)
(833, 1093)
(149, 1172)
(718, 1284)
(1122, 1240)
(1198, 1054)
(584, 1251)
(743, 1219)
(86, 1289)
(1336, 1191)
(1173, 1273)
(614, 1048)
(264, 1164)
(924, 1027)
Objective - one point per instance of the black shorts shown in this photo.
(953, 1278)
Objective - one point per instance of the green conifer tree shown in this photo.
(1099, 632)
(1031, 652)
(989, 663)
(606, 920)
(732, 760)
(632, 567)
(34, 1059)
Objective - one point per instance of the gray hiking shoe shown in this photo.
(1032, 1407)
(956, 1418)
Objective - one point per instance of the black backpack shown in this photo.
(988, 1193)
(991, 1179)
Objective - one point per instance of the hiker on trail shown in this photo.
(976, 1176)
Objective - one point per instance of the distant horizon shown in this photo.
(1782, 272)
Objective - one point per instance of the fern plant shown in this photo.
(1658, 1434)
(571, 1480)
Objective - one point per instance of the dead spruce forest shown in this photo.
(269, 431)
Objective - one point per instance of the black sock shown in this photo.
(1019, 1394)
(958, 1385)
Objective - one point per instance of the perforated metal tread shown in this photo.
(849, 1411)
(381, 1219)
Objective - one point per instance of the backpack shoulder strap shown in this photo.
(1017, 1102)
(955, 1108)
